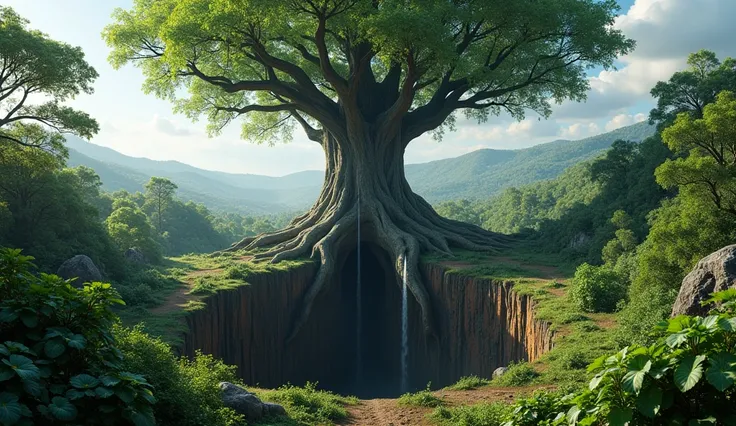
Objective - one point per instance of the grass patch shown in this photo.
(307, 405)
(483, 414)
(469, 382)
(423, 398)
(517, 374)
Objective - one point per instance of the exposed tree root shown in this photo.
(398, 221)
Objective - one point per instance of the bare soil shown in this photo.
(181, 296)
(388, 412)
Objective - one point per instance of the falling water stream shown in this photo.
(404, 333)
(358, 312)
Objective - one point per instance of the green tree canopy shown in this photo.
(35, 65)
(692, 89)
(159, 195)
(709, 143)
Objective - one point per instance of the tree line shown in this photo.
(640, 216)
(54, 212)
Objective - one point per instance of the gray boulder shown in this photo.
(715, 272)
(500, 371)
(272, 409)
(80, 267)
(135, 256)
(247, 404)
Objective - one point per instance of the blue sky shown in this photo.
(141, 125)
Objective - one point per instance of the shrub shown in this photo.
(517, 374)
(469, 382)
(59, 362)
(484, 414)
(203, 285)
(307, 405)
(423, 398)
(187, 391)
(540, 409)
(597, 288)
(685, 377)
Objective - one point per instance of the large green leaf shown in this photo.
(8, 315)
(649, 401)
(23, 367)
(62, 409)
(126, 394)
(104, 392)
(54, 348)
(84, 381)
(6, 373)
(727, 324)
(10, 408)
(29, 319)
(677, 339)
(638, 367)
(619, 416)
(689, 372)
(77, 341)
(722, 371)
(109, 380)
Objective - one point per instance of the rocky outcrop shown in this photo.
(80, 267)
(715, 272)
(482, 325)
(134, 255)
(247, 404)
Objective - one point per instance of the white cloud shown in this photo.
(666, 32)
(164, 125)
(622, 120)
(580, 130)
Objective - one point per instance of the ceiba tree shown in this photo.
(363, 78)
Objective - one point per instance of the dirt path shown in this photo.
(387, 412)
(180, 297)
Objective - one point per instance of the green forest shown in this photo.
(598, 233)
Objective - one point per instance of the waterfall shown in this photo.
(358, 312)
(404, 333)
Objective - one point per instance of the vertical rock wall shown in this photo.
(481, 324)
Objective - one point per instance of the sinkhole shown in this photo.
(370, 325)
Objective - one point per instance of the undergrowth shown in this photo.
(307, 405)
(422, 398)
(483, 414)
(469, 382)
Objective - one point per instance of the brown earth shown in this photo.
(388, 412)
(181, 296)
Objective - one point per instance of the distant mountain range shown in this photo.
(479, 174)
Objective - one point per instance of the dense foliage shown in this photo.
(597, 289)
(60, 362)
(187, 391)
(685, 377)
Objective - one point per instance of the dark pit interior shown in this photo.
(370, 363)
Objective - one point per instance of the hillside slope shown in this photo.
(486, 172)
(478, 174)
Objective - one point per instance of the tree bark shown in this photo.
(365, 179)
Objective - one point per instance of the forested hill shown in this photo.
(486, 172)
(239, 193)
(478, 174)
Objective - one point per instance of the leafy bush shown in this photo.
(423, 398)
(307, 405)
(597, 289)
(188, 391)
(59, 362)
(686, 377)
(540, 409)
(517, 374)
(469, 382)
(484, 414)
(203, 285)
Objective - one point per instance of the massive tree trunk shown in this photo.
(365, 182)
